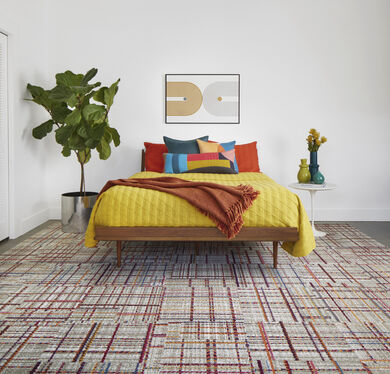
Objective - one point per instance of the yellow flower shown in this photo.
(323, 139)
(312, 131)
(309, 138)
(318, 141)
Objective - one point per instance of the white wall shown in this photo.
(303, 64)
(25, 23)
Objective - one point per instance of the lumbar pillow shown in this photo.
(183, 146)
(219, 163)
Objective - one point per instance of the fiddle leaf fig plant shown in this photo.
(78, 113)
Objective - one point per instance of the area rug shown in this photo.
(195, 307)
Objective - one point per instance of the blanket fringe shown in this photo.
(235, 212)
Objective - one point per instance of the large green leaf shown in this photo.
(88, 97)
(99, 95)
(107, 135)
(97, 131)
(40, 96)
(88, 76)
(35, 91)
(94, 113)
(92, 143)
(85, 155)
(88, 155)
(73, 118)
(60, 93)
(104, 149)
(59, 112)
(110, 93)
(66, 151)
(69, 79)
(72, 101)
(76, 142)
(63, 134)
(115, 136)
(83, 90)
(42, 130)
(84, 130)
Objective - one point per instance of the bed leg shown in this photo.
(275, 252)
(118, 253)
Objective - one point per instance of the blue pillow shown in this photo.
(183, 146)
(228, 146)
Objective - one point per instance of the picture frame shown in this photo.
(202, 98)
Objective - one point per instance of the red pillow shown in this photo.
(247, 158)
(154, 159)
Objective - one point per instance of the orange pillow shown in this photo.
(154, 159)
(247, 158)
(208, 147)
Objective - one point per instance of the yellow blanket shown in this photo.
(276, 206)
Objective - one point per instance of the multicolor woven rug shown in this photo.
(195, 307)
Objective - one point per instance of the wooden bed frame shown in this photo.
(149, 233)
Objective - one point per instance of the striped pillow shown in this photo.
(218, 163)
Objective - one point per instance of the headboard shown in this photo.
(143, 160)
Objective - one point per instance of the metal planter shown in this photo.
(76, 209)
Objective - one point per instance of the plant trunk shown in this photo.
(82, 182)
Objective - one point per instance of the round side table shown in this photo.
(313, 188)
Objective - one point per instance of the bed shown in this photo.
(134, 214)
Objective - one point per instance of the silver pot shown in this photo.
(76, 209)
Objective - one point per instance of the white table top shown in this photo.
(313, 187)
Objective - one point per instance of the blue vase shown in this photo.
(318, 178)
(313, 167)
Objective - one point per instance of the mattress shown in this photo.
(275, 206)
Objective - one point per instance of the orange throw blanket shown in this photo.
(224, 205)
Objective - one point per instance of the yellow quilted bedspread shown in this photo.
(275, 206)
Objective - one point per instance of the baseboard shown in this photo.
(54, 212)
(33, 221)
(351, 214)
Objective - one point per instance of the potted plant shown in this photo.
(78, 113)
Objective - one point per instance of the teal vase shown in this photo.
(313, 167)
(318, 178)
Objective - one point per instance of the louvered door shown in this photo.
(4, 218)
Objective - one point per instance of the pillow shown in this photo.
(206, 147)
(183, 146)
(247, 158)
(218, 163)
(220, 147)
(154, 159)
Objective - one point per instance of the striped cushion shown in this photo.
(219, 163)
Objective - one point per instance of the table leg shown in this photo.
(315, 231)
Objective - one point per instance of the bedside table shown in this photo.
(313, 188)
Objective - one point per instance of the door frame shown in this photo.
(9, 30)
(5, 225)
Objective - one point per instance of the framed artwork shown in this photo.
(202, 98)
